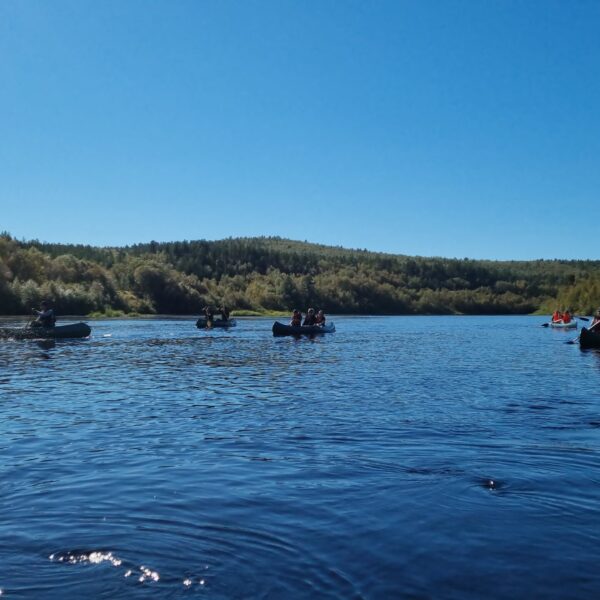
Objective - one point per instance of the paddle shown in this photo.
(575, 341)
(582, 318)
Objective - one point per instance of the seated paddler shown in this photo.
(224, 313)
(296, 320)
(45, 316)
(320, 319)
(309, 320)
(595, 326)
(556, 316)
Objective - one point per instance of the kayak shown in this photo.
(589, 339)
(201, 323)
(75, 330)
(560, 325)
(281, 329)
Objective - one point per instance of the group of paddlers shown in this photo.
(310, 320)
(566, 317)
(209, 313)
(562, 316)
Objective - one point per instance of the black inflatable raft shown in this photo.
(281, 329)
(75, 330)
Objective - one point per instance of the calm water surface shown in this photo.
(406, 457)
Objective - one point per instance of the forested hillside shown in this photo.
(265, 274)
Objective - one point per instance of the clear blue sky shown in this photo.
(443, 128)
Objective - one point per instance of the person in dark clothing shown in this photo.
(296, 318)
(224, 313)
(208, 315)
(45, 316)
(309, 320)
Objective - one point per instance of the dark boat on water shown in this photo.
(589, 339)
(202, 323)
(75, 330)
(281, 329)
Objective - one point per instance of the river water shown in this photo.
(400, 457)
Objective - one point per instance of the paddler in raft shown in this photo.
(595, 326)
(45, 316)
(224, 313)
(566, 316)
(296, 320)
(320, 319)
(556, 316)
(310, 318)
(207, 311)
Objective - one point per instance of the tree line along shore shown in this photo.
(266, 274)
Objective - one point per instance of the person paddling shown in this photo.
(320, 319)
(556, 316)
(595, 326)
(45, 316)
(309, 320)
(566, 317)
(208, 314)
(224, 313)
(296, 318)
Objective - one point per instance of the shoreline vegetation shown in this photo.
(269, 276)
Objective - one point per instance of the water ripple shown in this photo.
(385, 460)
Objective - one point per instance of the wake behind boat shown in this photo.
(281, 329)
(72, 331)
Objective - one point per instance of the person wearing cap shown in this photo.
(296, 318)
(309, 320)
(45, 316)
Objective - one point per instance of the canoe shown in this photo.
(75, 330)
(201, 323)
(281, 329)
(589, 339)
(560, 325)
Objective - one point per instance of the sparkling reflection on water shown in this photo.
(407, 457)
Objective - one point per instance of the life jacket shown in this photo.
(566, 318)
(320, 320)
(556, 316)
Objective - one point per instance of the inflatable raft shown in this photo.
(281, 329)
(75, 330)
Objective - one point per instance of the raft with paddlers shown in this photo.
(281, 329)
(72, 331)
(204, 323)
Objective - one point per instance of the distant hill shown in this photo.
(269, 273)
